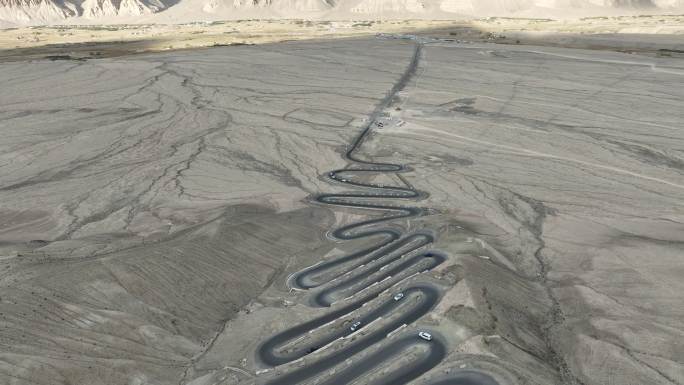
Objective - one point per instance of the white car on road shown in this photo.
(398, 296)
(425, 335)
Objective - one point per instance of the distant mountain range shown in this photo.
(46, 11)
(32, 12)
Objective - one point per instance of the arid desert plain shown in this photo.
(386, 208)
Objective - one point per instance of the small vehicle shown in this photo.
(425, 335)
(379, 124)
(344, 180)
(332, 175)
(398, 296)
(355, 326)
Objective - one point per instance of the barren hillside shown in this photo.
(35, 12)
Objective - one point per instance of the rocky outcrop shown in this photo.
(51, 11)
(100, 8)
(35, 11)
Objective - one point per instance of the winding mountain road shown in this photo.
(393, 257)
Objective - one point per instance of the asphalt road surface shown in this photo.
(377, 258)
(428, 297)
(390, 257)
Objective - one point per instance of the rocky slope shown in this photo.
(46, 11)
(31, 12)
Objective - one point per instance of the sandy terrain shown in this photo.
(155, 206)
(95, 41)
(116, 40)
